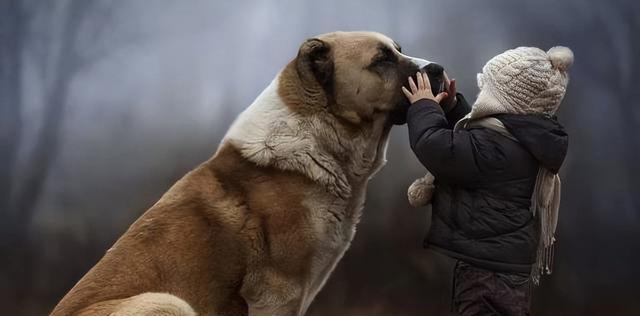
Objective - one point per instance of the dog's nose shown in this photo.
(436, 77)
(433, 70)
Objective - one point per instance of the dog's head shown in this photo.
(359, 75)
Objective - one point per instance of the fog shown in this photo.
(105, 104)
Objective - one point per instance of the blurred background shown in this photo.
(105, 104)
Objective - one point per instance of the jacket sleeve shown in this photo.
(449, 155)
(461, 109)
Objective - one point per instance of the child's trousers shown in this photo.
(480, 292)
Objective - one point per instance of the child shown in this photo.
(496, 192)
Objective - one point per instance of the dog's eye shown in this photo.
(386, 56)
(385, 59)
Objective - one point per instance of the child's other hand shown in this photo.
(422, 90)
(450, 101)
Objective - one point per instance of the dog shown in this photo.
(258, 228)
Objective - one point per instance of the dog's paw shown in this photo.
(421, 190)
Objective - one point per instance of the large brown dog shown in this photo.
(257, 229)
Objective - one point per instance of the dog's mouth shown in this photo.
(435, 73)
(398, 115)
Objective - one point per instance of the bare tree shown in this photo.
(59, 73)
(61, 47)
(11, 39)
(12, 28)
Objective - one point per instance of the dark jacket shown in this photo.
(484, 182)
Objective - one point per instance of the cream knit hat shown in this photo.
(524, 80)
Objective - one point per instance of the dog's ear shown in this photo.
(315, 64)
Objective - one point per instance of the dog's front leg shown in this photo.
(273, 293)
(291, 308)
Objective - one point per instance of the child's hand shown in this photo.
(450, 101)
(422, 90)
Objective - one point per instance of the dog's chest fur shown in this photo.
(294, 230)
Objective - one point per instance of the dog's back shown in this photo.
(191, 244)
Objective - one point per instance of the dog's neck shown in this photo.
(270, 133)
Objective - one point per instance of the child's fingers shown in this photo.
(412, 85)
(440, 97)
(420, 79)
(406, 92)
(452, 87)
(427, 84)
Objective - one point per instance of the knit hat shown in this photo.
(524, 80)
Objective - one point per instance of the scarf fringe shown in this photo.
(545, 204)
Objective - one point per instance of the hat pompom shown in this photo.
(561, 57)
(421, 191)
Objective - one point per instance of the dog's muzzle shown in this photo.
(436, 77)
(433, 70)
